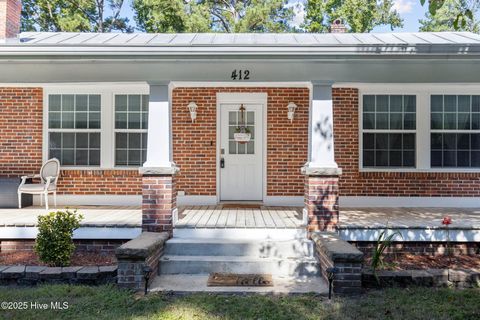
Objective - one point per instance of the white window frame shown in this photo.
(115, 130)
(107, 91)
(423, 131)
(400, 131)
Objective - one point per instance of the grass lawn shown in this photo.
(107, 302)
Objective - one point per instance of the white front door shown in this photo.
(241, 164)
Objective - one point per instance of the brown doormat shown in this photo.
(239, 280)
(240, 206)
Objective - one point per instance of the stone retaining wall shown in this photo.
(335, 252)
(133, 256)
(33, 275)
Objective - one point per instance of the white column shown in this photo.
(321, 152)
(159, 145)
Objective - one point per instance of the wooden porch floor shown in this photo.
(242, 217)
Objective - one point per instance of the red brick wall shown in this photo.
(10, 11)
(21, 123)
(355, 183)
(116, 182)
(194, 144)
(20, 131)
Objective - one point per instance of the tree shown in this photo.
(445, 17)
(73, 15)
(213, 15)
(358, 15)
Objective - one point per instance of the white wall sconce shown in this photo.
(192, 107)
(291, 110)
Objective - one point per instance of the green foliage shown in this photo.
(54, 244)
(383, 242)
(73, 16)
(358, 15)
(460, 15)
(213, 15)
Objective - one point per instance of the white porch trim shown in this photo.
(409, 202)
(80, 233)
(94, 200)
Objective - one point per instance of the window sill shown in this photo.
(99, 168)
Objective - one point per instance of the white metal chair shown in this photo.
(48, 183)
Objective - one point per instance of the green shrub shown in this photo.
(54, 243)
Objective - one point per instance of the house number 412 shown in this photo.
(240, 75)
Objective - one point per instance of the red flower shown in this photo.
(447, 220)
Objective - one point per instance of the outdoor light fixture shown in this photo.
(192, 107)
(291, 110)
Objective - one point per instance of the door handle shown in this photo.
(222, 163)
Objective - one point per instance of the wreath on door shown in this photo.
(242, 132)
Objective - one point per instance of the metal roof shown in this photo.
(241, 45)
(245, 39)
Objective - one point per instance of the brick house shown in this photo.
(354, 120)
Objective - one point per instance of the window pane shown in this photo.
(436, 158)
(382, 103)
(231, 132)
(145, 101)
(409, 104)
(81, 102)
(68, 102)
(94, 102)
(144, 120)
(369, 121)
(54, 120)
(81, 157)
(134, 120)
(450, 121)
(55, 141)
(368, 158)
(120, 120)
(475, 141)
(120, 103)
(395, 141)
(449, 159)
(409, 141)
(475, 159)
(81, 140)
(94, 120)
(475, 121)
(368, 103)
(409, 121)
(436, 141)
(81, 120)
(232, 117)
(251, 147)
(381, 121)
(121, 157)
(464, 104)
(68, 120)
(94, 157)
(241, 148)
(463, 158)
(381, 141)
(450, 104)
(409, 158)
(68, 157)
(134, 158)
(396, 103)
(395, 121)
(381, 158)
(121, 140)
(94, 140)
(436, 103)
(250, 117)
(395, 159)
(437, 120)
(68, 140)
(232, 147)
(368, 141)
(463, 121)
(144, 140)
(134, 141)
(450, 141)
(463, 141)
(134, 103)
(55, 153)
(54, 102)
(475, 103)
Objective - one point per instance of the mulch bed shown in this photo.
(30, 258)
(420, 262)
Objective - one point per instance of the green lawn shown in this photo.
(110, 303)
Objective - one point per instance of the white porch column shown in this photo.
(320, 139)
(159, 145)
(321, 171)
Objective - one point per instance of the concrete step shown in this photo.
(241, 233)
(172, 264)
(259, 248)
(198, 283)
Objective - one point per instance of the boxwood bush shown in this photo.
(54, 244)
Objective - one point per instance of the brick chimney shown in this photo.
(338, 26)
(10, 11)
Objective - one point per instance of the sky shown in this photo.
(410, 10)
